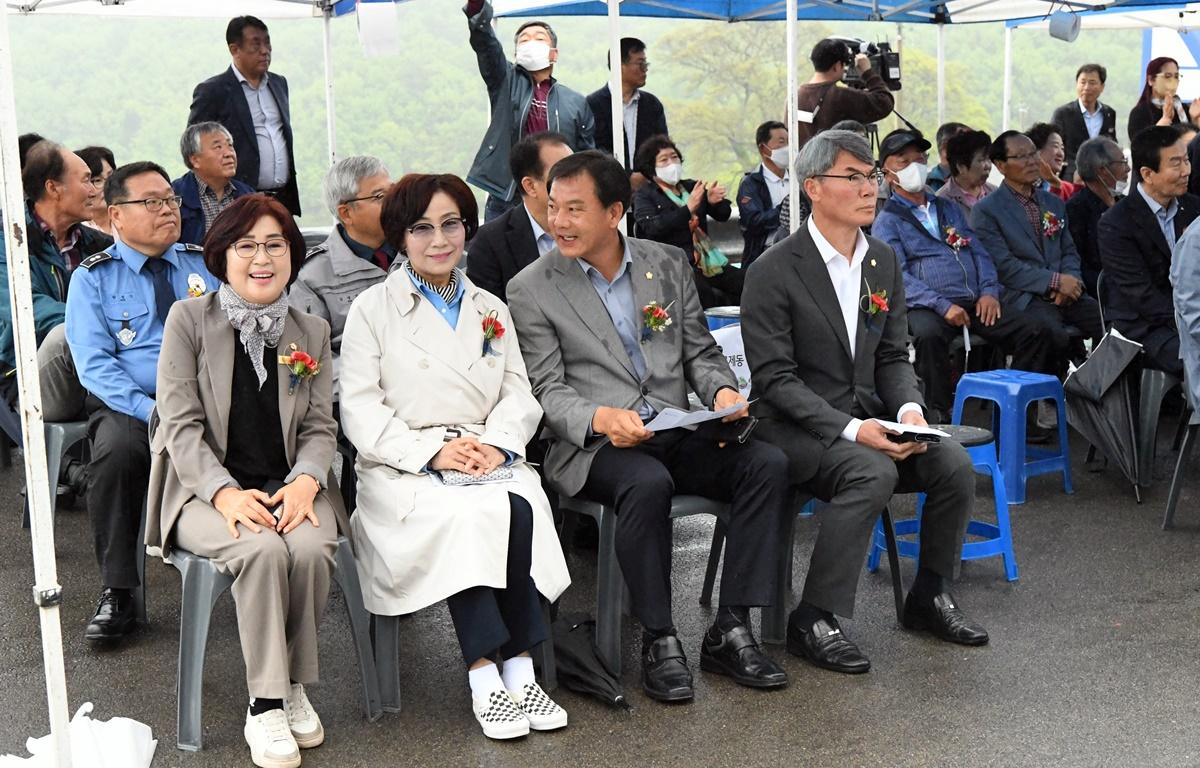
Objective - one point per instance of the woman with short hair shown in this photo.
(967, 154)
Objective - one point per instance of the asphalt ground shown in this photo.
(1092, 660)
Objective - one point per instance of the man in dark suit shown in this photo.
(253, 105)
(1137, 236)
(826, 336)
(1024, 229)
(644, 114)
(513, 240)
(1085, 117)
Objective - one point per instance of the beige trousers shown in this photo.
(280, 585)
(62, 394)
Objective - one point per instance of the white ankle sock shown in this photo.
(517, 672)
(484, 680)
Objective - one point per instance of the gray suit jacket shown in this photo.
(806, 384)
(577, 364)
(1004, 231)
(195, 378)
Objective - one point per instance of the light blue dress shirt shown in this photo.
(1093, 120)
(268, 132)
(112, 322)
(926, 214)
(544, 240)
(447, 309)
(1165, 216)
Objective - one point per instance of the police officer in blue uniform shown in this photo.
(118, 303)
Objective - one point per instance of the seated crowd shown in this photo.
(220, 366)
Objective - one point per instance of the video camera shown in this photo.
(884, 60)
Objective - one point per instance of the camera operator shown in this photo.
(822, 102)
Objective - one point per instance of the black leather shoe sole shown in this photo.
(675, 694)
(918, 623)
(111, 632)
(797, 648)
(715, 665)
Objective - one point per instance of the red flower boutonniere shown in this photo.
(955, 240)
(492, 330)
(300, 365)
(1051, 225)
(874, 302)
(655, 319)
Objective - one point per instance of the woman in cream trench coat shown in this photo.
(412, 382)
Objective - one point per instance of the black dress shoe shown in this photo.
(115, 616)
(941, 616)
(824, 644)
(665, 674)
(736, 653)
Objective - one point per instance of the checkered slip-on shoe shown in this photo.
(541, 711)
(499, 716)
(302, 719)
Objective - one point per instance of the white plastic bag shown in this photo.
(116, 743)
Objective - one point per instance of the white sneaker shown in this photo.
(499, 716)
(541, 711)
(270, 739)
(302, 719)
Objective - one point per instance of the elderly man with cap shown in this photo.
(950, 282)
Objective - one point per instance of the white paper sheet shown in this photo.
(911, 428)
(671, 418)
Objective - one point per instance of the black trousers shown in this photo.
(1084, 315)
(639, 483)
(1161, 347)
(858, 482)
(506, 621)
(118, 475)
(720, 290)
(1027, 337)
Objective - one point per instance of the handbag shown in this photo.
(710, 259)
(453, 477)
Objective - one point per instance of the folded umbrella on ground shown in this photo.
(578, 662)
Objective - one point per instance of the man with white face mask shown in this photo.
(950, 282)
(525, 99)
(761, 194)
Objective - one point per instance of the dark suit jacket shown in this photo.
(1084, 210)
(1025, 260)
(221, 98)
(501, 248)
(1069, 120)
(1137, 264)
(651, 121)
(807, 386)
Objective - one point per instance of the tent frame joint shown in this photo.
(47, 598)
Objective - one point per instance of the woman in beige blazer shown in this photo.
(240, 462)
(430, 396)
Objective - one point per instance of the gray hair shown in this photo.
(1095, 154)
(342, 178)
(189, 144)
(821, 152)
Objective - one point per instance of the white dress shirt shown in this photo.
(777, 186)
(846, 277)
(544, 240)
(1094, 121)
(629, 117)
(268, 132)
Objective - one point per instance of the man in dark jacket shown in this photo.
(515, 239)
(1137, 236)
(253, 105)
(1085, 117)
(643, 113)
(526, 99)
(761, 194)
(823, 102)
(209, 186)
(57, 184)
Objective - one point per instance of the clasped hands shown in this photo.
(987, 309)
(467, 454)
(872, 434)
(250, 507)
(625, 429)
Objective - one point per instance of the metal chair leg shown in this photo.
(1185, 453)
(714, 561)
(889, 533)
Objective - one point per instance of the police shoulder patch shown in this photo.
(192, 247)
(96, 258)
(316, 250)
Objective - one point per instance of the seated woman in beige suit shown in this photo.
(430, 397)
(240, 462)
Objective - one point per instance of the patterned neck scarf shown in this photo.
(259, 325)
(447, 291)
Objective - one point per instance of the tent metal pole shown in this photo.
(793, 119)
(941, 73)
(1007, 101)
(617, 101)
(47, 592)
(330, 115)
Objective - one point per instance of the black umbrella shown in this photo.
(1099, 404)
(578, 663)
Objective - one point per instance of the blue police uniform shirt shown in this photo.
(112, 322)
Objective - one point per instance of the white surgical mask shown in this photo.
(670, 174)
(780, 157)
(533, 55)
(912, 177)
(1118, 187)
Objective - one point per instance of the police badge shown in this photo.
(196, 286)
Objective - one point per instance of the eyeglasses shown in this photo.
(377, 197)
(98, 181)
(275, 247)
(1119, 161)
(1021, 158)
(451, 228)
(155, 204)
(642, 65)
(1170, 75)
(855, 179)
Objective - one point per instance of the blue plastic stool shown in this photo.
(1012, 392)
(994, 539)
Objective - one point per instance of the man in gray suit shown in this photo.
(612, 333)
(825, 330)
